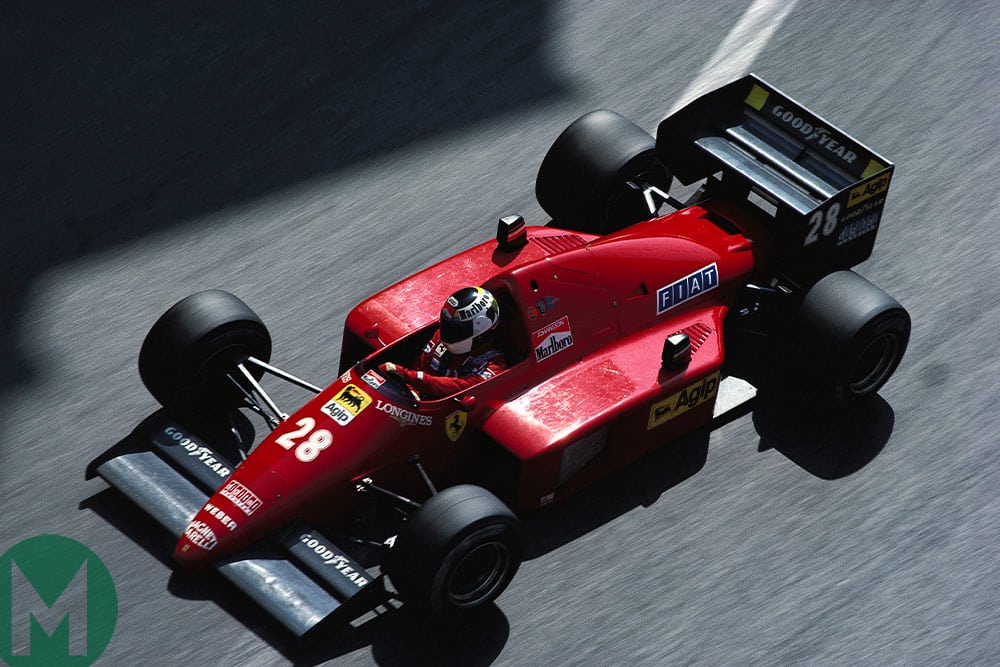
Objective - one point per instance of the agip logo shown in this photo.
(347, 404)
(58, 604)
(686, 399)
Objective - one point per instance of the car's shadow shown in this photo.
(395, 635)
(827, 444)
(403, 637)
(639, 484)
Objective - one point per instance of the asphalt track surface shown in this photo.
(302, 155)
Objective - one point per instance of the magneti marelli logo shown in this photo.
(58, 604)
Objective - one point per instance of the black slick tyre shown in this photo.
(458, 552)
(853, 336)
(582, 181)
(188, 352)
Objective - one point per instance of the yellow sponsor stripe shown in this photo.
(687, 398)
(867, 190)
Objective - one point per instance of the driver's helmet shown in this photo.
(468, 319)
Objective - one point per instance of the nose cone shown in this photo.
(305, 466)
(246, 507)
(213, 532)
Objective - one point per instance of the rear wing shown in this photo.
(824, 189)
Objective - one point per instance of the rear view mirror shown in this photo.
(676, 351)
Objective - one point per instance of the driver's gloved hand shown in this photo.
(401, 372)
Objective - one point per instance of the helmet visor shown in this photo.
(453, 331)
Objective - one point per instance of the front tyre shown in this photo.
(458, 552)
(853, 335)
(188, 353)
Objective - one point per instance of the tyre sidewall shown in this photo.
(840, 317)
(581, 180)
(485, 533)
(187, 352)
(892, 324)
(437, 537)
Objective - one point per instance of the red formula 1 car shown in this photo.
(616, 319)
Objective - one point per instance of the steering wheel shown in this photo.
(398, 387)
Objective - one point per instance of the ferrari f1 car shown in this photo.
(615, 322)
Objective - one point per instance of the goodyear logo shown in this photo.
(867, 190)
(689, 397)
(347, 404)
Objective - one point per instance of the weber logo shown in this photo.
(221, 515)
(688, 287)
(553, 338)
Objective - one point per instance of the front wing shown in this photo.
(303, 580)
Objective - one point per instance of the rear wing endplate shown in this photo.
(824, 189)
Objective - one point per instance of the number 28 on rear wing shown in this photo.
(824, 189)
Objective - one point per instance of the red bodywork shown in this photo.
(585, 318)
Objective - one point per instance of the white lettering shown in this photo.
(552, 344)
(241, 496)
(203, 454)
(221, 516)
(201, 535)
(865, 225)
(339, 562)
(818, 135)
(404, 417)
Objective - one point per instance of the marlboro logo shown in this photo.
(551, 339)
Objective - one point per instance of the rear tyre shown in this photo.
(582, 181)
(188, 352)
(458, 552)
(853, 335)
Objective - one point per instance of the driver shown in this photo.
(460, 354)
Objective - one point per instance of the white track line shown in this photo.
(736, 53)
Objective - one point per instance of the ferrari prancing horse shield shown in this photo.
(454, 424)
